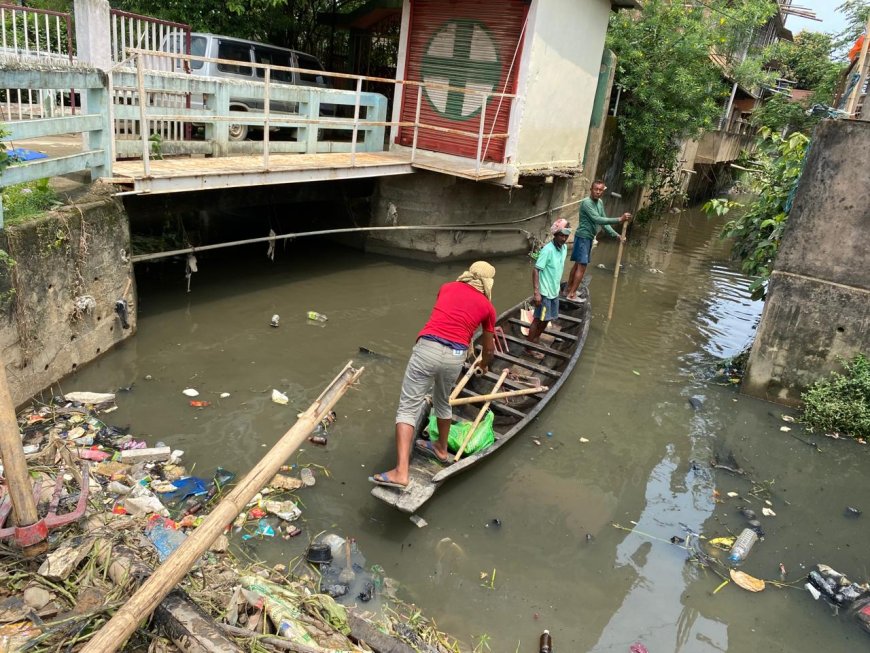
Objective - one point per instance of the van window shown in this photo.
(197, 49)
(236, 52)
(274, 57)
(310, 63)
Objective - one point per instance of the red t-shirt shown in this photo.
(457, 313)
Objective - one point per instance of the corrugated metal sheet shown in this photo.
(469, 44)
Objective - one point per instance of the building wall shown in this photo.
(818, 302)
(558, 77)
(79, 253)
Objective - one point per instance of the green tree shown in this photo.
(856, 13)
(673, 89)
(758, 229)
(807, 62)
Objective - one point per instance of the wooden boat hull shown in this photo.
(561, 345)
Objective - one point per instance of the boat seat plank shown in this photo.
(556, 334)
(537, 346)
(568, 318)
(533, 367)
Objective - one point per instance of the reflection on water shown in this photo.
(560, 563)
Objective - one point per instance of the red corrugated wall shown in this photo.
(471, 44)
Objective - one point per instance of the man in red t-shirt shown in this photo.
(436, 361)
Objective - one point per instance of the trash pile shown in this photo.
(141, 505)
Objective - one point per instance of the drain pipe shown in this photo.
(328, 232)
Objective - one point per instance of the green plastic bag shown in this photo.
(482, 438)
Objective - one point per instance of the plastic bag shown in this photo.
(482, 438)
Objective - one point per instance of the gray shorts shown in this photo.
(433, 368)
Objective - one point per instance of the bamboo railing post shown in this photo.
(616, 270)
(480, 415)
(115, 632)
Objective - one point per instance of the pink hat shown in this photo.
(558, 225)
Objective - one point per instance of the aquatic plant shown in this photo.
(840, 403)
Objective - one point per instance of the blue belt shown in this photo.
(455, 346)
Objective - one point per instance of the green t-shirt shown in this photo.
(550, 263)
(592, 217)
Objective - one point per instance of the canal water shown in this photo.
(583, 543)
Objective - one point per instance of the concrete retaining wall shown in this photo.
(79, 252)
(429, 198)
(818, 302)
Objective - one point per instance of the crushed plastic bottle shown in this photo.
(742, 545)
(164, 537)
(546, 642)
(316, 317)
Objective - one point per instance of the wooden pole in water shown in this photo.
(18, 483)
(616, 270)
(114, 634)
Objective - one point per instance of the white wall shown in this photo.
(558, 77)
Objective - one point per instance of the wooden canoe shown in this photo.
(561, 345)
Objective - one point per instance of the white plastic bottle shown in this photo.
(742, 545)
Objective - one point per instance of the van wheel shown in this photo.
(238, 132)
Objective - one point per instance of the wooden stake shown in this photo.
(464, 380)
(498, 395)
(616, 271)
(480, 415)
(18, 483)
(114, 634)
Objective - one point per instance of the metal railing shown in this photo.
(133, 31)
(39, 36)
(96, 151)
(306, 117)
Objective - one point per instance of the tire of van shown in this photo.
(238, 132)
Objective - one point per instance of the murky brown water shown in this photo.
(628, 397)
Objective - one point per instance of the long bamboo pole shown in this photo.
(14, 465)
(616, 270)
(480, 415)
(855, 96)
(114, 634)
(498, 395)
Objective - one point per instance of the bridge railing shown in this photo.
(279, 105)
(37, 36)
(96, 155)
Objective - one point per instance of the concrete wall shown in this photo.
(429, 198)
(77, 252)
(818, 304)
(557, 81)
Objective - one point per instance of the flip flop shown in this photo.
(381, 479)
(426, 448)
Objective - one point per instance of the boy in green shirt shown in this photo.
(546, 279)
(591, 218)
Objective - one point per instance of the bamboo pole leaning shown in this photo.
(480, 415)
(464, 380)
(118, 629)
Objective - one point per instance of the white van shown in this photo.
(215, 46)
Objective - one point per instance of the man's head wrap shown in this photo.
(479, 276)
(558, 225)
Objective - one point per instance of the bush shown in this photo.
(841, 403)
(25, 200)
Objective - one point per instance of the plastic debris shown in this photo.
(196, 403)
(165, 536)
(224, 395)
(637, 647)
(307, 477)
(190, 392)
(281, 482)
(767, 512)
(280, 398)
(723, 542)
(275, 319)
(788, 418)
(584, 440)
(90, 397)
(812, 590)
(733, 494)
(314, 316)
(747, 582)
(851, 511)
(264, 529)
(785, 429)
(143, 505)
(418, 521)
(286, 510)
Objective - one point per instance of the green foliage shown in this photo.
(26, 200)
(856, 13)
(4, 155)
(673, 90)
(841, 403)
(758, 230)
(781, 114)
